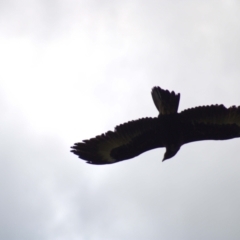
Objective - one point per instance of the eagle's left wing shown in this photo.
(128, 140)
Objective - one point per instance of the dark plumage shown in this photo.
(170, 129)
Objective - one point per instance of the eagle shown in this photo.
(169, 129)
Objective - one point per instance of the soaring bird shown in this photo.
(170, 130)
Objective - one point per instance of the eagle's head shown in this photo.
(171, 151)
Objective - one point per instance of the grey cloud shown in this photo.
(47, 193)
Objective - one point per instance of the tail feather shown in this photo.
(166, 102)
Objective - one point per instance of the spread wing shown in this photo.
(166, 102)
(128, 140)
(214, 122)
(214, 114)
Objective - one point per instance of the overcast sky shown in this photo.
(71, 70)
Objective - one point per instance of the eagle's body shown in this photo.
(170, 129)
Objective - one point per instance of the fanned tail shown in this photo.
(166, 102)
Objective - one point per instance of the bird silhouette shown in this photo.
(170, 130)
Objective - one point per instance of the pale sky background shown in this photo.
(71, 70)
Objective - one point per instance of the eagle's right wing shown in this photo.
(214, 122)
(128, 140)
(214, 114)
